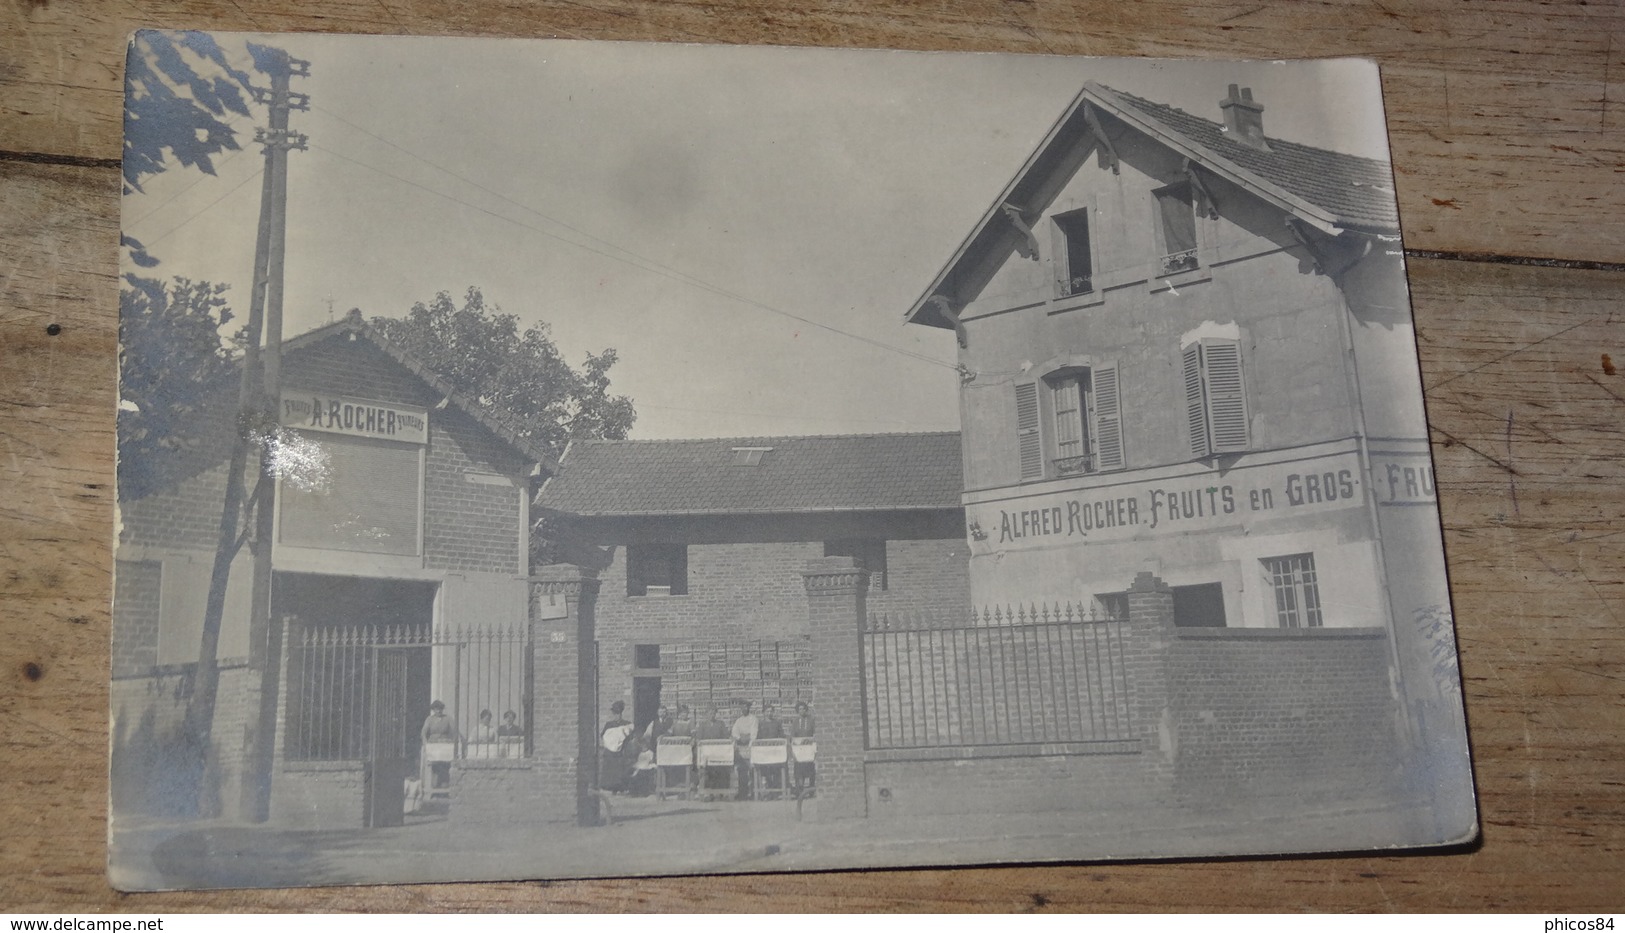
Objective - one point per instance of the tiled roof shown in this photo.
(1356, 190)
(854, 472)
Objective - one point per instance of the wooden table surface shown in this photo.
(1508, 127)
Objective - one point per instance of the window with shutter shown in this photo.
(1031, 443)
(1226, 400)
(1108, 409)
(1195, 402)
(1215, 398)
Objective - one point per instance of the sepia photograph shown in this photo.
(560, 459)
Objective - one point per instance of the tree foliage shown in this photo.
(177, 380)
(170, 108)
(519, 376)
(177, 374)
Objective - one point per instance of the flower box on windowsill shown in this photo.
(1074, 466)
(1182, 261)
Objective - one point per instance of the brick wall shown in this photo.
(923, 574)
(1011, 784)
(184, 516)
(836, 592)
(154, 772)
(1292, 713)
(320, 795)
(341, 366)
(752, 590)
(135, 616)
(565, 715)
(471, 526)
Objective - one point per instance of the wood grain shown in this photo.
(1505, 142)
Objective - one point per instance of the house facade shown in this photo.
(400, 576)
(700, 547)
(1187, 350)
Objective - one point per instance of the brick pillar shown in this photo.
(564, 704)
(1150, 637)
(837, 591)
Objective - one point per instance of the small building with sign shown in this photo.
(1187, 350)
(400, 569)
(701, 546)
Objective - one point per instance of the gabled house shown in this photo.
(1187, 349)
(701, 546)
(401, 561)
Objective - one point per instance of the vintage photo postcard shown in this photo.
(565, 459)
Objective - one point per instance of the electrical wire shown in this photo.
(636, 260)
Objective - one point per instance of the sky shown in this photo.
(745, 226)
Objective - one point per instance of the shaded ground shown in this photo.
(682, 837)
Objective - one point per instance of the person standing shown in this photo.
(712, 779)
(744, 733)
(714, 728)
(439, 737)
(769, 726)
(803, 773)
(803, 726)
(617, 751)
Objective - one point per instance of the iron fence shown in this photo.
(1034, 674)
(362, 692)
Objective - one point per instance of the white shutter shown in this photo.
(1057, 260)
(1108, 427)
(1195, 402)
(1030, 441)
(1226, 398)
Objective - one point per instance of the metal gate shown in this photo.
(360, 693)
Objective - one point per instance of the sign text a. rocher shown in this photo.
(316, 411)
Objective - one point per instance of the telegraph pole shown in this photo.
(264, 635)
(259, 395)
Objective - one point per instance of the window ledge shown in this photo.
(1092, 299)
(1267, 634)
(660, 598)
(1167, 283)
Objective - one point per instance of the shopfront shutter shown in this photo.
(1226, 395)
(1031, 443)
(1195, 402)
(1108, 427)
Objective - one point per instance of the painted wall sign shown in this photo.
(315, 411)
(1407, 481)
(1173, 506)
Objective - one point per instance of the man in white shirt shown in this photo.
(744, 733)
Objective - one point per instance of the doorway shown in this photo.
(360, 661)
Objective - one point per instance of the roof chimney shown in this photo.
(1243, 119)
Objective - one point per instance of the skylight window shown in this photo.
(749, 456)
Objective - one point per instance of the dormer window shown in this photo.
(1176, 229)
(749, 456)
(1074, 262)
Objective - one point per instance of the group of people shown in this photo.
(626, 760)
(442, 742)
